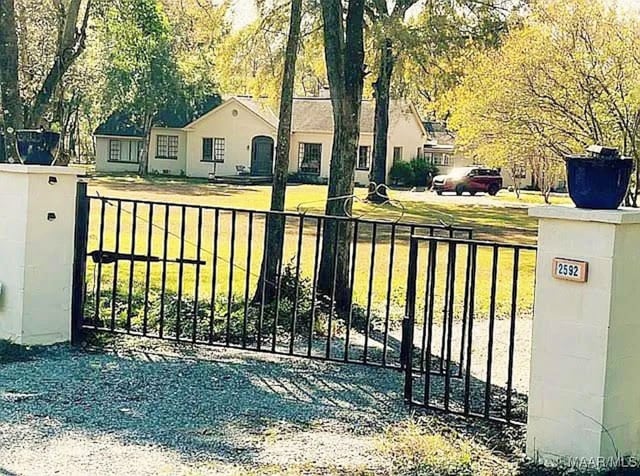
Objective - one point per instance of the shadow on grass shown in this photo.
(172, 187)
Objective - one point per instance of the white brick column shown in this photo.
(584, 399)
(37, 224)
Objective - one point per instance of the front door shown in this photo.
(262, 156)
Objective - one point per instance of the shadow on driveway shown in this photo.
(204, 405)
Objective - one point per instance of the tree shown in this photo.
(275, 225)
(39, 43)
(559, 83)
(344, 57)
(141, 70)
(386, 19)
(440, 33)
(251, 61)
(12, 114)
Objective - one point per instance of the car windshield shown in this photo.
(460, 172)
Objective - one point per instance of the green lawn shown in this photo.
(533, 198)
(499, 223)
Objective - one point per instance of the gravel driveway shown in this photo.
(211, 411)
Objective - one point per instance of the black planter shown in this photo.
(35, 147)
(598, 183)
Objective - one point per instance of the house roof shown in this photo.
(127, 124)
(259, 108)
(438, 133)
(119, 124)
(316, 114)
(309, 115)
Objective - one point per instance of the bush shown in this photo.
(423, 172)
(401, 173)
(418, 172)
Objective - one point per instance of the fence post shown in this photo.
(584, 393)
(79, 262)
(406, 348)
(37, 252)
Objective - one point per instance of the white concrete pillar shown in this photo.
(37, 221)
(584, 396)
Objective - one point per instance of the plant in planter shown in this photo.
(600, 179)
(36, 147)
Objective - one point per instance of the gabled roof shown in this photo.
(438, 133)
(316, 114)
(309, 115)
(258, 108)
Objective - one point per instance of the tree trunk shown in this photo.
(382, 88)
(275, 224)
(71, 43)
(143, 160)
(344, 56)
(12, 113)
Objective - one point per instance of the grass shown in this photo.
(499, 223)
(529, 197)
(412, 450)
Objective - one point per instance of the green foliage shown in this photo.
(183, 315)
(141, 69)
(423, 172)
(417, 172)
(412, 450)
(557, 84)
(401, 173)
(437, 43)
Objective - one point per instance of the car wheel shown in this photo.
(459, 189)
(472, 193)
(493, 189)
(439, 192)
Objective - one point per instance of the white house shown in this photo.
(239, 137)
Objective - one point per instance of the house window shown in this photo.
(309, 156)
(207, 149)
(114, 151)
(520, 172)
(397, 154)
(429, 157)
(167, 147)
(218, 149)
(446, 159)
(364, 155)
(135, 146)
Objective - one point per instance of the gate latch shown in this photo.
(109, 257)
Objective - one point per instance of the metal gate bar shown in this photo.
(467, 386)
(172, 274)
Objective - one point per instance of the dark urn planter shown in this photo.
(599, 181)
(36, 147)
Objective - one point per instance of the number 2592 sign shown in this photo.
(570, 270)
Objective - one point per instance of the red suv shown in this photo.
(469, 179)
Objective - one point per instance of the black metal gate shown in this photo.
(466, 344)
(191, 273)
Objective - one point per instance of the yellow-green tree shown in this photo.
(567, 78)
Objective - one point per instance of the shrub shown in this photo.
(401, 173)
(227, 320)
(423, 172)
